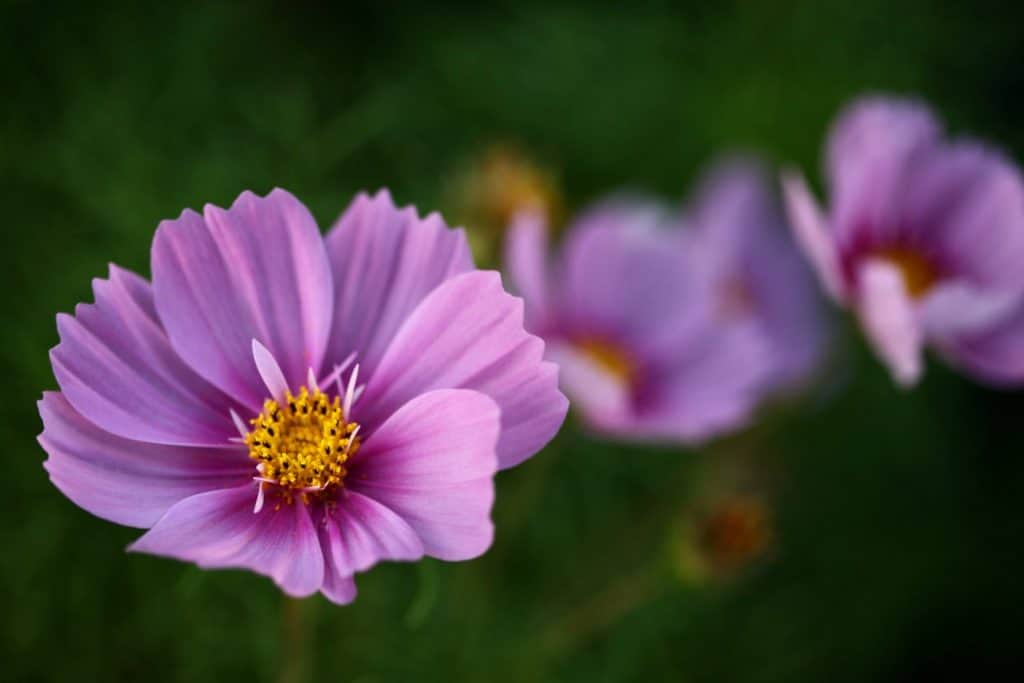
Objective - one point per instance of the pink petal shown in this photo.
(873, 135)
(433, 462)
(358, 532)
(115, 364)
(996, 354)
(255, 271)
(871, 152)
(128, 482)
(743, 242)
(712, 388)
(625, 278)
(890, 320)
(219, 529)
(385, 261)
(811, 235)
(732, 206)
(341, 590)
(957, 308)
(599, 395)
(963, 203)
(526, 246)
(270, 371)
(469, 334)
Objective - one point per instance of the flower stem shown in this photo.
(298, 640)
(585, 621)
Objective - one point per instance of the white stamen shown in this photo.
(351, 439)
(259, 500)
(239, 424)
(311, 380)
(359, 392)
(350, 393)
(236, 439)
(269, 370)
(344, 365)
(338, 369)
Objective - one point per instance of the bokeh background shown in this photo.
(854, 533)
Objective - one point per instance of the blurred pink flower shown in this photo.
(632, 325)
(738, 239)
(924, 240)
(299, 406)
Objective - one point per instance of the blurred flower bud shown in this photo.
(723, 537)
(493, 187)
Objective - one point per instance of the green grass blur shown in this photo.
(898, 516)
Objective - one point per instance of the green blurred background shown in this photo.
(896, 520)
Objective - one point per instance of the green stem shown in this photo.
(585, 621)
(298, 639)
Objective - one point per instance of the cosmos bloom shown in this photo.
(632, 326)
(924, 240)
(296, 405)
(738, 239)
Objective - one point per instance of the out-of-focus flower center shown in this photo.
(734, 299)
(918, 274)
(609, 357)
(303, 443)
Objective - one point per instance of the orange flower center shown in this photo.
(609, 357)
(919, 276)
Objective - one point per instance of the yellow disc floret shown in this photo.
(608, 357)
(304, 442)
(919, 275)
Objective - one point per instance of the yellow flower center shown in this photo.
(609, 358)
(918, 274)
(303, 443)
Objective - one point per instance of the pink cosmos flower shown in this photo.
(299, 406)
(924, 240)
(738, 239)
(632, 325)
